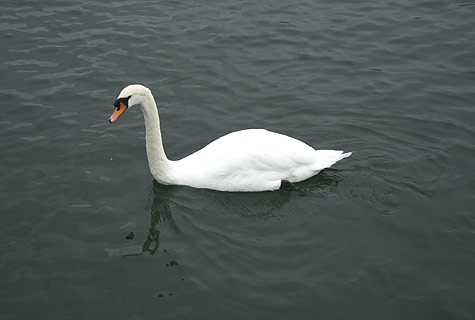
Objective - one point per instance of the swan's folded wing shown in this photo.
(250, 156)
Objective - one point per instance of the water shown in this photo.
(394, 82)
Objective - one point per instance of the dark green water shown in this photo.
(392, 81)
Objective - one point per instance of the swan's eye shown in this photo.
(120, 101)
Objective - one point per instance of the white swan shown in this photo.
(246, 160)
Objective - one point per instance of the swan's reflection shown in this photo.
(159, 213)
(252, 206)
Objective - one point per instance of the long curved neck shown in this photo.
(157, 160)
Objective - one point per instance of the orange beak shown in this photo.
(117, 112)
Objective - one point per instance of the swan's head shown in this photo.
(130, 96)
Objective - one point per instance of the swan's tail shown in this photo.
(327, 158)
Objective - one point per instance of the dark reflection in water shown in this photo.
(159, 213)
(251, 206)
(322, 184)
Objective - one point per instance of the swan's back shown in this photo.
(253, 160)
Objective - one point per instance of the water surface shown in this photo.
(394, 82)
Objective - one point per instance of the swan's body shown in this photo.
(246, 160)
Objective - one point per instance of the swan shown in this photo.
(245, 160)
